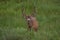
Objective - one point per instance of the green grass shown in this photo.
(14, 27)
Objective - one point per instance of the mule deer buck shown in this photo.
(31, 19)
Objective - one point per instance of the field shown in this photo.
(14, 27)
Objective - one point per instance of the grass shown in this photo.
(13, 26)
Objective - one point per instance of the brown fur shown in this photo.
(32, 23)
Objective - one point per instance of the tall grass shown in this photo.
(14, 27)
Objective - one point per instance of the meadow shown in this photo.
(14, 27)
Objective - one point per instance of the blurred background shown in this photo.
(14, 27)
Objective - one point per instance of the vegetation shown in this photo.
(14, 27)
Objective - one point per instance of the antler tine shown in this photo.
(34, 11)
(23, 12)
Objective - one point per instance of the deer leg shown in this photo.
(29, 27)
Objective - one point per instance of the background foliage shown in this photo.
(13, 26)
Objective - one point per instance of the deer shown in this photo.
(31, 19)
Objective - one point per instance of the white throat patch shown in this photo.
(28, 19)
